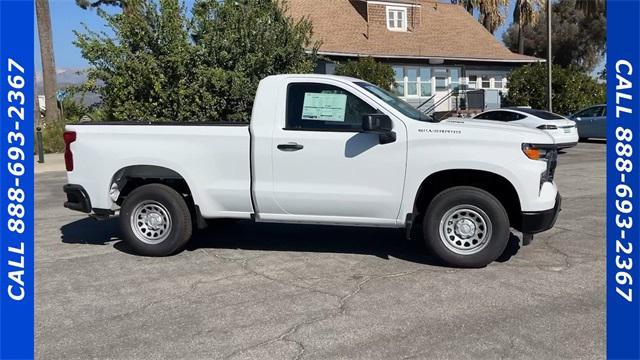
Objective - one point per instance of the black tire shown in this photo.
(171, 205)
(489, 221)
(582, 139)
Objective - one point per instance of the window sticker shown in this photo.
(324, 107)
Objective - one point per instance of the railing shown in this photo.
(461, 103)
(424, 103)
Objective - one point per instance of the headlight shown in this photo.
(544, 152)
(539, 151)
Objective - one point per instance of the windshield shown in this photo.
(395, 102)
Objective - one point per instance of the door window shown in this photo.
(590, 112)
(313, 106)
(491, 115)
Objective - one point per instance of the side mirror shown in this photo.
(379, 124)
(578, 118)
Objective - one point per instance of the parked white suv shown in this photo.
(319, 150)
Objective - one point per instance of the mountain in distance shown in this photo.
(66, 78)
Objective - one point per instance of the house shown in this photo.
(435, 48)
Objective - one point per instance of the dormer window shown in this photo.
(396, 18)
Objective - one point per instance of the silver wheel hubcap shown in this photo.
(151, 222)
(465, 229)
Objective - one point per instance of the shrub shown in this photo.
(572, 88)
(52, 141)
(369, 70)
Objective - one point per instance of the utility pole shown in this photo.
(549, 58)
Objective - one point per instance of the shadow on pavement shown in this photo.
(594, 141)
(247, 235)
(91, 232)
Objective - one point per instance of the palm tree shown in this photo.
(525, 13)
(43, 18)
(492, 12)
(468, 5)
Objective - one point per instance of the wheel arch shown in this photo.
(132, 177)
(495, 184)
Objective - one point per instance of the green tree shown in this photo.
(238, 43)
(572, 88)
(165, 66)
(592, 7)
(369, 70)
(577, 39)
(125, 5)
(141, 73)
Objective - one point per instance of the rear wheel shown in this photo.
(155, 220)
(466, 227)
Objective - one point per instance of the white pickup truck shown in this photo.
(319, 149)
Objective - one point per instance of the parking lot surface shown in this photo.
(268, 291)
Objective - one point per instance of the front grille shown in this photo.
(550, 172)
(552, 162)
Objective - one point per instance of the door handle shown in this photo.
(290, 147)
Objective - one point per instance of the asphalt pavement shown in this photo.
(270, 291)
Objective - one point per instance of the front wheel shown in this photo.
(155, 220)
(466, 227)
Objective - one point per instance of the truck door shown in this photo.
(325, 169)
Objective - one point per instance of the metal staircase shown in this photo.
(464, 103)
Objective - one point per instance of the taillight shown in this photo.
(69, 137)
(548, 127)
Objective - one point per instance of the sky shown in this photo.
(66, 17)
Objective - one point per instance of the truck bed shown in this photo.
(214, 155)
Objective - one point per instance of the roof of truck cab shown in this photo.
(318, 76)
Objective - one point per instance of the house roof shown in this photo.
(445, 31)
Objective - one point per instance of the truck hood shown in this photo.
(497, 130)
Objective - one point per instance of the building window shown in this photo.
(486, 82)
(396, 18)
(425, 82)
(412, 81)
(421, 82)
(454, 76)
(473, 81)
(441, 79)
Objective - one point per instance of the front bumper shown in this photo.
(77, 198)
(539, 221)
